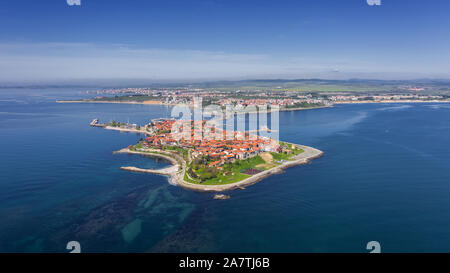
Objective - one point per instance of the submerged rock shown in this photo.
(221, 196)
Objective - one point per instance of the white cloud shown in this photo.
(66, 61)
(75, 60)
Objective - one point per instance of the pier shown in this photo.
(95, 123)
(166, 171)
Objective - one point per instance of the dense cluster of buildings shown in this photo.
(282, 102)
(185, 95)
(206, 141)
(269, 96)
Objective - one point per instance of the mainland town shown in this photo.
(286, 97)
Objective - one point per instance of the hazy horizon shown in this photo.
(143, 83)
(50, 41)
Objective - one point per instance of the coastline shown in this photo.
(176, 174)
(116, 102)
(172, 104)
(392, 101)
(126, 130)
(281, 109)
(307, 108)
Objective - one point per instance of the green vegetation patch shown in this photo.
(230, 172)
(182, 152)
(288, 152)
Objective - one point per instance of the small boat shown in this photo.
(94, 122)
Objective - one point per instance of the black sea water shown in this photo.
(385, 177)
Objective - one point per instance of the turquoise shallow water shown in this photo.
(385, 176)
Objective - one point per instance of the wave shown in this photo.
(438, 106)
(24, 114)
(394, 108)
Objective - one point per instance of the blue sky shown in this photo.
(49, 40)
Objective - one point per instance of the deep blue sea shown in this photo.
(385, 177)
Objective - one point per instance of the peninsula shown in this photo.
(217, 161)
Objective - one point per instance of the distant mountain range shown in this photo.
(253, 83)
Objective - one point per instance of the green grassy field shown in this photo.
(231, 173)
(220, 179)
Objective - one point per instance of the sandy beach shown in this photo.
(147, 102)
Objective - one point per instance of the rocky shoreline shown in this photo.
(177, 171)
